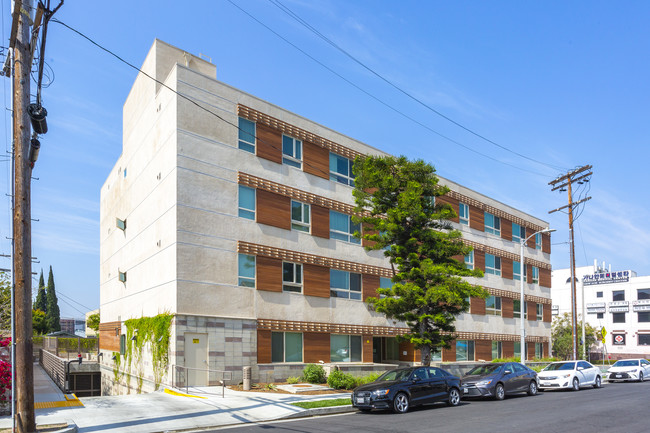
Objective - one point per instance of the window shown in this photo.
(246, 135)
(618, 295)
(291, 277)
(516, 308)
(517, 351)
(600, 315)
(469, 260)
(496, 349)
(464, 350)
(644, 339)
(539, 350)
(643, 316)
(246, 273)
(286, 346)
(492, 264)
(341, 169)
(345, 348)
(535, 275)
(540, 311)
(122, 276)
(385, 283)
(246, 202)
(121, 224)
(492, 224)
(342, 227)
(463, 213)
(642, 294)
(538, 241)
(299, 216)
(516, 270)
(598, 294)
(291, 151)
(493, 305)
(345, 284)
(518, 233)
(122, 344)
(618, 317)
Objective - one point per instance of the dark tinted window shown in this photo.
(421, 373)
(484, 369)
(519, 368)
(618, 317)
(643, 293)
(618, 295)
(561, 366)
(644, 339)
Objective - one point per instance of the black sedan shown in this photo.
(405, 387)
(499, 379)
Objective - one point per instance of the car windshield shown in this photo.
(394, 375)
(484, 369)
(626, 363)
(561, 366)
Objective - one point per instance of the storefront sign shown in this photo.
(641, 308)
(619, 309)
(606, 278)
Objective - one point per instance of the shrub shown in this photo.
(314, 373)
(293, 380)
(368, 378)
(339, 380)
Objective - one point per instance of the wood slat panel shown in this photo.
(483, 350)
(545, 277)
(366, 355)
(529, 274)
(531, 241)
(369, 285)
(479, 260)
(532, 311)
(530, 350)
(109, 336)
(506, 229)
(269, 274)
(316, 281)
(506, 268)
(508, 349)
(269, 143)
(263, 346)
(320, 221)
(545, 349)
(476, 218)
(412, 355)
(316, 160)
(546, 243)
(507, 308)
(477, 306)
(449, 355)
(316, 347)
(547, 315)
(273, 209)
(453, 202)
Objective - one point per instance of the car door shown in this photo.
(646, 368)
(588, 372)
(438, 383)
(510, 378)
(523, 376)
(420, 386)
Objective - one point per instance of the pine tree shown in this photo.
(53, 313)
(41, 297)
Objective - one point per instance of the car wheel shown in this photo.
(576, 384)
(499, 392)
(598, 382)
(401, 403)
(454, 397)
(640, 376)
(532, 388)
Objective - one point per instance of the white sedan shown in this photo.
(569, 375)
(629, 369)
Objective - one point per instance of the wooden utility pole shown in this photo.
(22, 271)
(564, 183)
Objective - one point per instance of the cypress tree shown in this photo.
(53, 313)
(41, 297)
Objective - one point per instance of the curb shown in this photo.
(321, 411)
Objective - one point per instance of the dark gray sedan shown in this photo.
(499, 379)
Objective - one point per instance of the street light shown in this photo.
(522, 348)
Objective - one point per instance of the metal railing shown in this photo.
(182, 378)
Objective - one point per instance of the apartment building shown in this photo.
(234, 215)
(617, 301)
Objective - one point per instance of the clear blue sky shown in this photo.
(564, 83)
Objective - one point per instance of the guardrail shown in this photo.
(181, 377)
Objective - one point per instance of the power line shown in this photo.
(295, 16)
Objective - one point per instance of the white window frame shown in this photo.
(539, 309)
(241, 278)
(518, 237)
(517, 276)
(516, 312)
(345, 179)
(497, 309)
(292, 159)
(243, 212)
(535, 275)
(499, 349)
(339, 292)
(493, 270)
(284, 346)
(469, 260)
(463, 213)
(493, 229)
(538, 241)
(242, 143)
(295, 285)
(350, 238)
(303, 224)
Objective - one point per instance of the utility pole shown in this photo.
(22, 271)
(564, 183)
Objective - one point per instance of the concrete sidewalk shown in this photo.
(160, 411)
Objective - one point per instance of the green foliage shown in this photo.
(5, 301)
(39, 322)
(93, 322)
(41, 297)
(339, 380)
(368, 378)
(396, 200)
(154, 331)
(117, 367)
(293, 380)
(562, 333)
(270, 387)
(517, 359)
(314, 373)
(323, 403)
(52, 311)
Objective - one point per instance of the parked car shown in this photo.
(403, 388)
(570, 375)
(629, 369)
(499, 379)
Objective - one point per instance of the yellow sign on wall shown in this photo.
(195, 340)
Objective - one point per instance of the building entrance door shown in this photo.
(376, 350)
(196, 359)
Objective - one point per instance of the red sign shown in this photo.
(619, 339)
